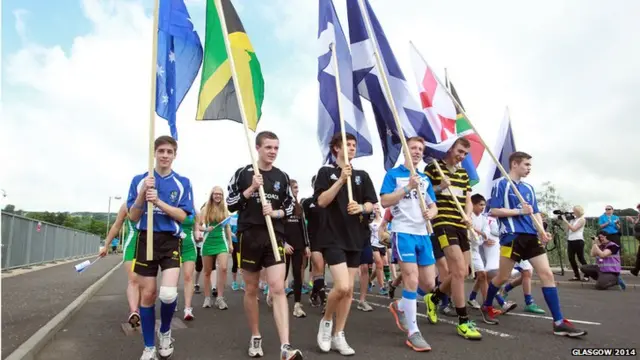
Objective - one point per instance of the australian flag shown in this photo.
(179, 59)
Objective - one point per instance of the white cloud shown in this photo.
(566, 69)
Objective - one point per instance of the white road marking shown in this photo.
(447, 321)
(585, 322)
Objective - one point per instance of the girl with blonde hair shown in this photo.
(217, 245)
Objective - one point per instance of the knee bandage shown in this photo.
(168, 294)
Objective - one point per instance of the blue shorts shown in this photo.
(414, 249)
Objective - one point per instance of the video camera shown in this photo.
(568, 215)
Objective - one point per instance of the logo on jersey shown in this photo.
(333, 177)
(173, 196)
(358, 180)
(276, 186)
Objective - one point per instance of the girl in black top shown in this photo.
(296, 248)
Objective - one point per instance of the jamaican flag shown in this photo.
(218, 94)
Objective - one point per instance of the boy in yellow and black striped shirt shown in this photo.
(450, 231)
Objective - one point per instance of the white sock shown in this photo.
(410, 310)
(403, 303)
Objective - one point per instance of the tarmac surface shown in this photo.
(32, 298)
(95, 331)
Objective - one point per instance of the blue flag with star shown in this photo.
(179, 59)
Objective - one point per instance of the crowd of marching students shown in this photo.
(433, 228)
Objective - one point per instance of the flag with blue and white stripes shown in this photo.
(367, 76)
(330, 31)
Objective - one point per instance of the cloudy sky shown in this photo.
(75, 92)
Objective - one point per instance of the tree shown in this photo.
(10, 208)
(549, 199)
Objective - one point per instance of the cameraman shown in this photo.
(606, 272)
(575, 240)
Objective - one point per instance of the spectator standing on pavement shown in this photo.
(172, 198)
(114, 244)
(575, 241)
(635, 220)
(610, 224)
(606, 272)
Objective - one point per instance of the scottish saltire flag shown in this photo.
(330, 31)
(505, 145)
(370, 86)
(441, 112)
(179, 59)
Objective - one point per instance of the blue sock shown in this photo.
(553, 302)
(166, 313)
(508, 287)
(444, 302)
(528, 299)
(500, 300)
(472, 295)
(421, 292)
(491, 294)
(148, 323)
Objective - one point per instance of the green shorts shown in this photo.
(129, 246)
(214, 245)
(189, 252)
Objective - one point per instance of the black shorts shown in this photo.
(256, 252)
(366, 256)
(437, 250)
(522, 247)
(166, 253)
(381, 250)
(451, 235)
(313, 245)
(335, 256)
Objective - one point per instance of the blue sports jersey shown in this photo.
(173, 189)
(407, 214)
(501, 198)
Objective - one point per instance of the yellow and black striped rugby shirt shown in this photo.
(448, 214)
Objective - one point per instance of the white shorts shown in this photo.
(477, 260)
(523, 265)
(491, 255)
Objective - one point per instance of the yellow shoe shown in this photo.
(468, 331)
(432, 314)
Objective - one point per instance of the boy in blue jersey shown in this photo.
(411, 242)
(172, 198)
(519, 240)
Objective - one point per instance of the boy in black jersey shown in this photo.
(315, 216)
(341, 238)
(255, 245)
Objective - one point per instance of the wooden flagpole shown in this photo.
(537, 224)
(334, 58)
(256, 169)
(152, 126)
(392, 105)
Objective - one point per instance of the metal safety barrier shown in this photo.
(27, 242)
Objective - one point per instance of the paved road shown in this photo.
(95, 331)
(30, 300)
